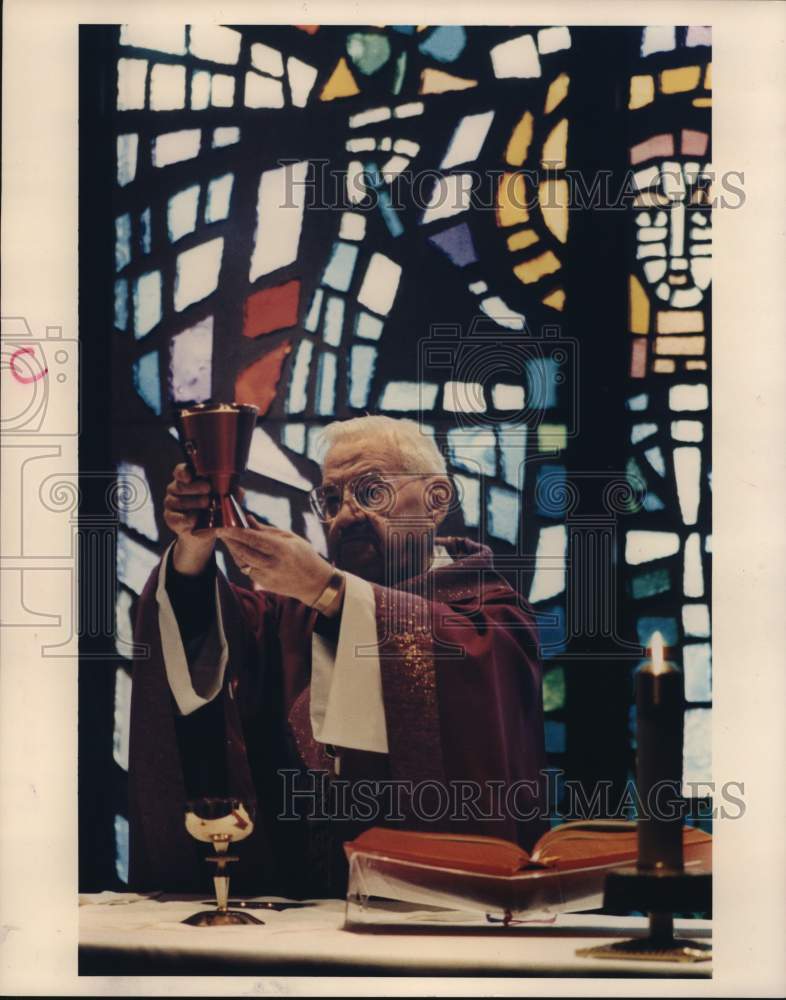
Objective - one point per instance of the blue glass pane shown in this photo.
(638, 402)
(696, 665)
(445, 43)
(473, 450)
(550, 491)
(361, 371)
(404, 396)
(126, 158)
(503, 510)
(652, 501)
(552, 630)
(334, 320)
(513, 449)
(147, 303)
(271, 510)
(469, 490)
(542, 382)
(555, 736)
(312, 319)
(457, 244)
(294, 437)
(368, 326)
(655, 457)
(146, 381)
(389, 216)
(645, 627)
(182, 212)
(338, 273)
(298, 388)
(641, 431)
(121, 304)
(326, 384)
(145, 232)
(135, 562)
(404, 29)
(121, 848)
(122, 241)
(219, 193)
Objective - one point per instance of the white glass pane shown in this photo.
(513, 450)
(503, 513)
(197, 272)
(368, 326)
(474, 450)
(361, 371)
(315, 533)
(693, 573)
(181, 213)
(213, 42)
(200, 90)
(549, 577)
(697, 752)
(226, 135)
(266, 458)
(449, 196)
(280, 204)
(409, 110)
(338, 273)
(516, 58)
(122, 721)
(167, 87)
(660, 38)
(468, 139)
(508, 397)
(219, 192)
(498, 310)
(687, 430)
(267, 59)
(644, 546)
(334, 321)
(369, 117)
(353, 226)
(263, 92)
(294, 437)
(698, 35)
(298, 389)
(301, 79)
(356, 184)
(464, 397)
(147, 303)
(135, 501)
(404, 396)
(126, 158)
(121, 848)
(131, 78)
(222, 90)
(135, 563)
(696, 620)
(469, 490)
(124, 627)
(688, 397)
(696, 662)
(174, 147)
(326, 384)
(687, 470)
(161, 37)
(275, 510)
(190, 364)
(553, 40)
(312, 319)
(380, 284)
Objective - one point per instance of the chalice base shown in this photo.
(221, 918)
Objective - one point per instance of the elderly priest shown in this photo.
(398, 684)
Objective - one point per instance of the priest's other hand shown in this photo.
(184, 496)
(278, 560)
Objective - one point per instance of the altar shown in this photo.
(125, 934)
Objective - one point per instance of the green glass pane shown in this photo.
(649, 584)
(554, 690)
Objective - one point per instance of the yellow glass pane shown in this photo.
(558, 91)
(708, 77)
(511, 200)
(525, 238)
(676, 81)
(553, 196)
(340, 84)
(434, 81)
(680, 321)
(700, 366)
(702, 102)
(649, 199)
(555, 299)
(680, 345)
(551, 436)
(664, 366)
(529, 271)
(638, 307)
(520, 138)
(555, 146)
(642, 91)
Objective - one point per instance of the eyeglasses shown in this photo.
(372, 491)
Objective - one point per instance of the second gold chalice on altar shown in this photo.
(220, 822)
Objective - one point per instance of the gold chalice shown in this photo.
(220, 822)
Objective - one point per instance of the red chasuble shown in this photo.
(461, 685)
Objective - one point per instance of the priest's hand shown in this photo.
(184, 497)
(278, 560)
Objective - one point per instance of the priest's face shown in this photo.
(383, 520)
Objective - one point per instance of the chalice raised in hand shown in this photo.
(220, 822)
(216, 438)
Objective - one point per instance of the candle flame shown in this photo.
(656, 651)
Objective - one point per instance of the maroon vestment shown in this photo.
(461, 684)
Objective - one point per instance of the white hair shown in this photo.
(415, 445)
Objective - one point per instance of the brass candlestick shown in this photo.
(220, 822)
(658, 885)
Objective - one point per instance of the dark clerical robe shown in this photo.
(457, 652)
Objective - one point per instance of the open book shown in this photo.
(576, 845)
